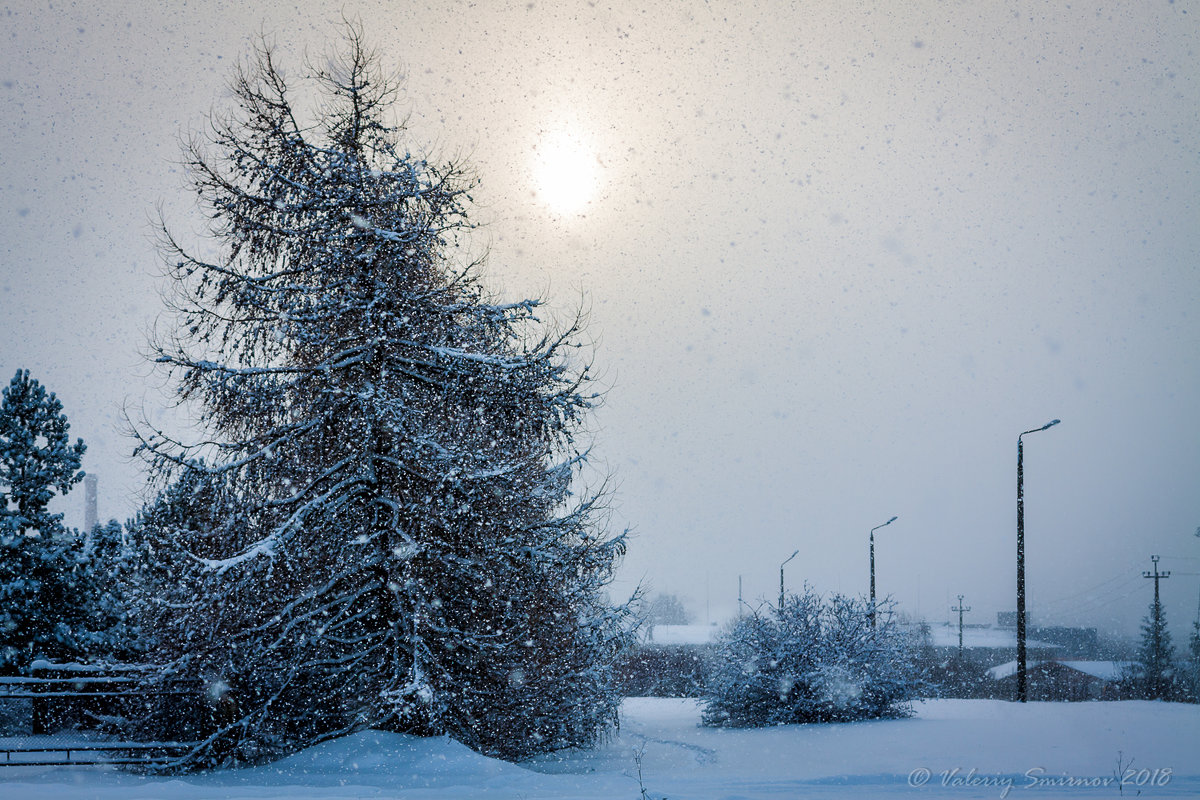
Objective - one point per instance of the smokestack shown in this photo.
(91, 518)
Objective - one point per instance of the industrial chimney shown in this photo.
(91, 517)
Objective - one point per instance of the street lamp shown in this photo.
(877, 527)
(1022, 692)
(789, 558)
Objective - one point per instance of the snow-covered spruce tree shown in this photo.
(811, 661)
(379, 530)
(1154, 669)
(1193, 664)
(42, 613)
(108, 564)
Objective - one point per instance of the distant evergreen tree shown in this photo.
(166, 539)
(1193, 664)
(110, 570)
(42, 607)
(380, 527)
(1154, 669)
(812, 661)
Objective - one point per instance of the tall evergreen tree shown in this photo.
(379, 529)
(1155, 665)
(42, 612)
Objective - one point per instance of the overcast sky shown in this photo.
(837, 256)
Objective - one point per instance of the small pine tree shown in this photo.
(41, 583)
(1155, 665)
(812, 661)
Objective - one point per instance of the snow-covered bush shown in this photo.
(811, 661)
(379, 527)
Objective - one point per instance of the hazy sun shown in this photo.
(565, 172)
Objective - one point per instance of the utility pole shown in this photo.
(960, 608)
(739, 596)
(1156, 575)
(1155, 679)
(707, 602)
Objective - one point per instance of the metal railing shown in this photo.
(76, 714)
(91, 754)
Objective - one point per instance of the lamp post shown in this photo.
(872, 539)
(789, 558)
(1022, 691)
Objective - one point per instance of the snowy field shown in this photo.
(951, 749)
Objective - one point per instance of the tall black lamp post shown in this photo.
(786, 560)
(1022, 689)
(872, 538)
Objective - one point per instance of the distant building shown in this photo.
(985, 645)
(1062, 680)
(1077, 643)
(1006, 619)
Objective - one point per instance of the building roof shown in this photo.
(1105, 670)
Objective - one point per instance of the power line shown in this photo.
(1123, 577)
(1082, 602)
(1093, 606)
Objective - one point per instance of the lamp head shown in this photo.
(1049, 424)
(884, 525)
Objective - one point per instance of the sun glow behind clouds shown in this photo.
(565, 171)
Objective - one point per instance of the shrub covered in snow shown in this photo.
(811, 661)
(379, 526)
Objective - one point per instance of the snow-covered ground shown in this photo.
(950, 749)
